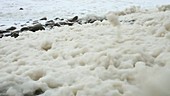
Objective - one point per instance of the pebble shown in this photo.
(74, 19)
(15, 34)
(7, 34)
(62, 19)
(3, 31)
(11, 28)
(1, 35)
(24, 29)
(36, 27)
(57, 18)
(38, 92)
(21, 8)
(50, 23)
(70, 24)
(44, 18)
(57, 24)
(91, 21)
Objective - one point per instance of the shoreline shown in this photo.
(45, 23)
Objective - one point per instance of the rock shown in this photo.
(21, 8)
(33, 28)
(11, 28)
(38, 92)
(91, 21)
(15, 34)
(50, 23)
(133, 20)
(61, 19)
(44, 18)
(70, 23)
(36, 27)
(74, 19)
(7, 34)
(79, 22)
(57, 24)
(24, 29)
(3, 31)
(66, 23)
(57, 18)
(1, 35)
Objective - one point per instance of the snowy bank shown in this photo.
(87, 60)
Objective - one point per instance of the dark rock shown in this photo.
(74, 19)
(24, 29)
(7, 34)
(62, 19)
(57, 24)
(21, 8)
(1, 35)
(15, 34)
(91, 21)
(57, 18)
(70, 23)
(36, 27)
(4, 31)
(79, 22)
(11, 28)
(44, 18)
(50, 23)
(38, 92)
(101, 20)
(132, 20)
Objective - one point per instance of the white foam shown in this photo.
(86, 59)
